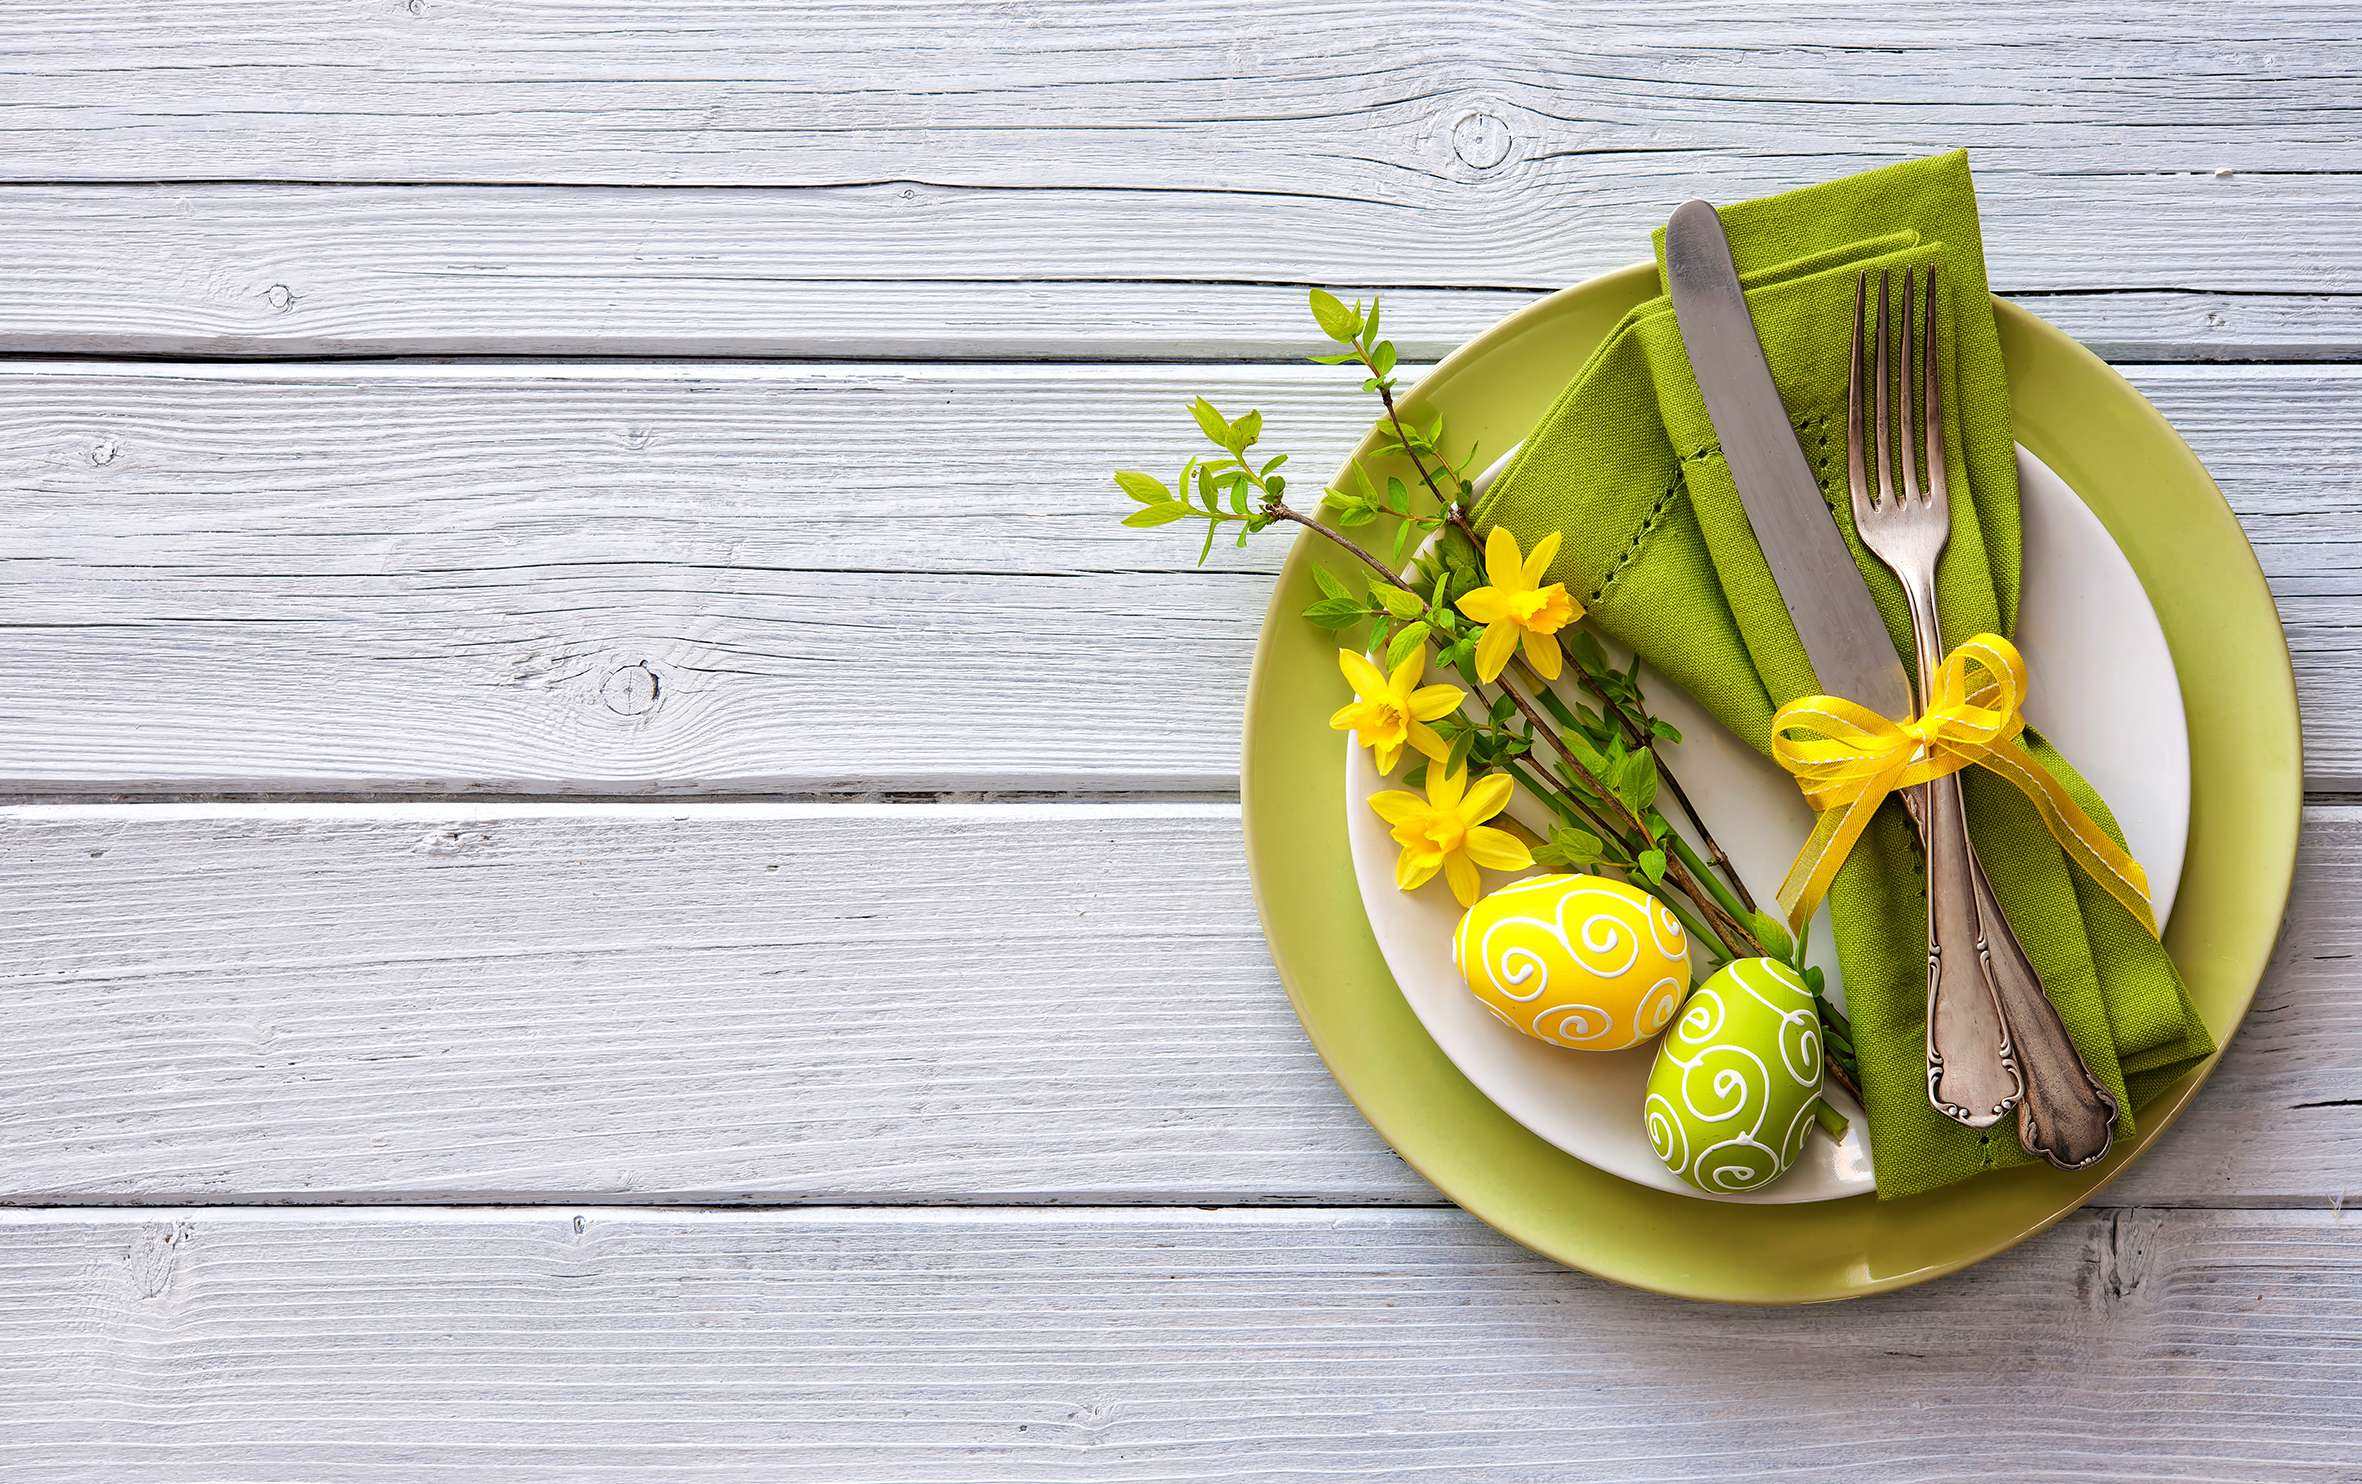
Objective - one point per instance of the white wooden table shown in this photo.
(617, 872)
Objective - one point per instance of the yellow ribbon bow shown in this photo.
(1853, 758)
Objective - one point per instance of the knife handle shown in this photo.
(2068, 1116)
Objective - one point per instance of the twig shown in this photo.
(1278, 511)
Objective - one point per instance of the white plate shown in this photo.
(2101, 686)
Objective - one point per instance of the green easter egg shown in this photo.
(1730, 1100)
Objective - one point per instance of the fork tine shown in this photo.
(1886, 483)
(1938, 487)
(1855, 471)
(1906, 399)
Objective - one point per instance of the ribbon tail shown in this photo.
(2077, 833)
(1816, 865)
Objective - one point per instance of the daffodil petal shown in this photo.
(1444, 789)
(1432, 701)
(1461, 873)
(1384, 754)
(1425, 739)
(1541, 651)
(1494, 649)
(1413, 871)
(1500, 559)
(1496, 849)
(1367, 680)
(1396, 805)
(1406, 676)
(1485, 605)
(1537, 561)
(1344, 717)
(1485, 800)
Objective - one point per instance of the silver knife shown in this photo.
(1843, 634)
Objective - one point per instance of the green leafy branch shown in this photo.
(1597, 768)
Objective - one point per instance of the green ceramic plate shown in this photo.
(2246, 764)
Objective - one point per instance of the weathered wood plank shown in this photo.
(752, 579)
(911, 272)
(633, 1346)
(816, 1002)
(794, 1003)
(1490, 106)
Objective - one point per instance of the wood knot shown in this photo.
(1481, 140)
(633, 690)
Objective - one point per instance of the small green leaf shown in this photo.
(1146, 488)
(1568, 846)
(1244, 432)
(1398, 601)
(1652, 865)
(1584, 647)
(1772, 934)
(1458, 760)
(1415, 777)
(1659, 727)
(1336, 613)
(1405, 644)
(1330, 313)
(1276, 461)
(1329, 583)
(1157, 515)
(1275, 486)
(1383, 357)
(1338, 359)
(1636, 781)
(1398, 496)
(1209, 422)
(1370, 327)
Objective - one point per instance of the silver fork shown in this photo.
(1972, 1072)
(2066, 1115)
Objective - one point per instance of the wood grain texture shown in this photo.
(795, 1003)
(1514, 103)
(817, 1002)
(922, 272)
(2123, 1347)
(734, 579)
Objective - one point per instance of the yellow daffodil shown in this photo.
(1387, 711)
(1446, 830)
(1515, 607)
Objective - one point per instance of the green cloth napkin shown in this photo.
(1659, 550)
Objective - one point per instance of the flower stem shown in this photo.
(1739, 933)
(1567, 806)
(1689, 857)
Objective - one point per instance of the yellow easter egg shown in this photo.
(1579, 961)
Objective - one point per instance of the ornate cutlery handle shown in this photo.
(2067, 1117)
(1972, 1071)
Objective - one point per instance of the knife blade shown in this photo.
(1844, 636)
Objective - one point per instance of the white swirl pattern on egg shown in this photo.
(1708, 1083)
(1578, 961)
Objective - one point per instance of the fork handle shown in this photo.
(1972, 1072)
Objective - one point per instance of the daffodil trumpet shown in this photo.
(1517, 607)
(1390, 710)
(1847, 759)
